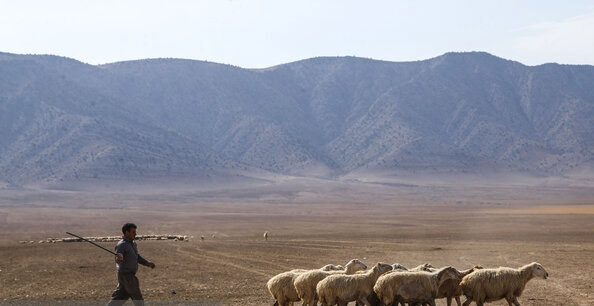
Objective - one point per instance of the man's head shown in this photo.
(129, 230)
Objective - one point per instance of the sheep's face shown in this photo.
(397, 266)
(427, 267)
(446, 274)
(539, 271)
(355, 265)
(331, 267)
(383, 268)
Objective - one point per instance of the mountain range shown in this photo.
(67, 121)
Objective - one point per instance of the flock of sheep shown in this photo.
(386, 284)
(113, 238)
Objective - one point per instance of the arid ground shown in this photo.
(310, 224)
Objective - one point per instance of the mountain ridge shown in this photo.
(328, 116)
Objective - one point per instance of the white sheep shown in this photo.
(306, 283)
(373, 299)
(283, 290)
(427, 267)
(451, 287)
(342, 288)
(412, 287)
(331, 267)
(490, 285)
(399, 267)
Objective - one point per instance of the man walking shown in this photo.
(127, 260)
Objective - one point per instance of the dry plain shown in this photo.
(310, 224)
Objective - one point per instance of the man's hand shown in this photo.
(151, 265)
(120, 256)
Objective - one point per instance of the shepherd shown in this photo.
(127, 260)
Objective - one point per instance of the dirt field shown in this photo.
(444, 225)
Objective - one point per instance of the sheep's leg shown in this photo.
(449, 301)
(322, 301)
(364, 301)
(467, 302)
(458, 301)
(386, 301)
(331, 301)
(515, 300)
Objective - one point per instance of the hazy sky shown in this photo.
(265, 33)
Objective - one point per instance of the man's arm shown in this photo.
(142, 261)
(145, 262)
(119, 258)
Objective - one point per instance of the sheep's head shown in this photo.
(331, 267)
(539, 271)
(466, 272)
(446, 274)
(382, 267)
(355, 265)
(427, 267)
(398, 266)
